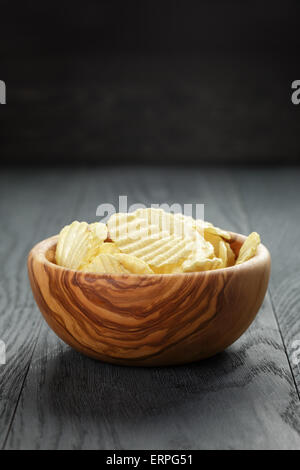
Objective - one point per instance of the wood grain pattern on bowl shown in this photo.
(147, 320)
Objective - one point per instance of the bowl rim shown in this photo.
(38, 252)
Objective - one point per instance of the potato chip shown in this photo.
(78, 243)
(158, 238)
(249, 248)
(202, 248)
(99, 229)
(204, 264)
(118, 263)
(120, 224)
(149, 223)
(108, 247)
(104, 248)
(210, 229)
(149, 241)
(202, 257)
(214, 240)
(168, 268)
(174, 224)
(217, 237)
(223, 254)
(230, 255)
(159, 252)
(133, 264)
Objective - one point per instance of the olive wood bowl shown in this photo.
(153, 319)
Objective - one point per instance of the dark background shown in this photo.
(205, 85)
(148, 82)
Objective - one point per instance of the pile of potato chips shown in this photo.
(149, 241)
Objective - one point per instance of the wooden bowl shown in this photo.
(148, 320)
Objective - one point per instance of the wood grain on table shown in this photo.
(55, 398)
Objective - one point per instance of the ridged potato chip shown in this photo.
(78, 243)
(149, 241)
(201, 264)
(211, 229)
(118, 263)
(214, 240)
(174, 224)
(104, 248)
(161, 239)
(202, 257)
(248, 248)
(230, 255)
(108, 247)
(149, 223)
(223, 254)
(133, 264)
(158, 252)
(99, 229)
(217, 237)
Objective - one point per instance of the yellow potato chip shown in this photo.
(158, 238)
(117, 264)
(214, 240)
(211, 229)
(202, 257)
(204, 264)
(249, 247)
(223, 254)
(99, 229)
(230, 255)
(149, 223)
(168, 268)
(108, 247)
(202, 248)
(174, 224)
(104, 248)
(120, 224)
(149, 241)
(217, 237)
(158, 252)
(222, 250)
(77, 244)
(133, 264)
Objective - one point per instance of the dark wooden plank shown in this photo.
(150, 109)
(242, 398)
(272, 201)
(29, 203)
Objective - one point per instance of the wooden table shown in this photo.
(246, 397)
